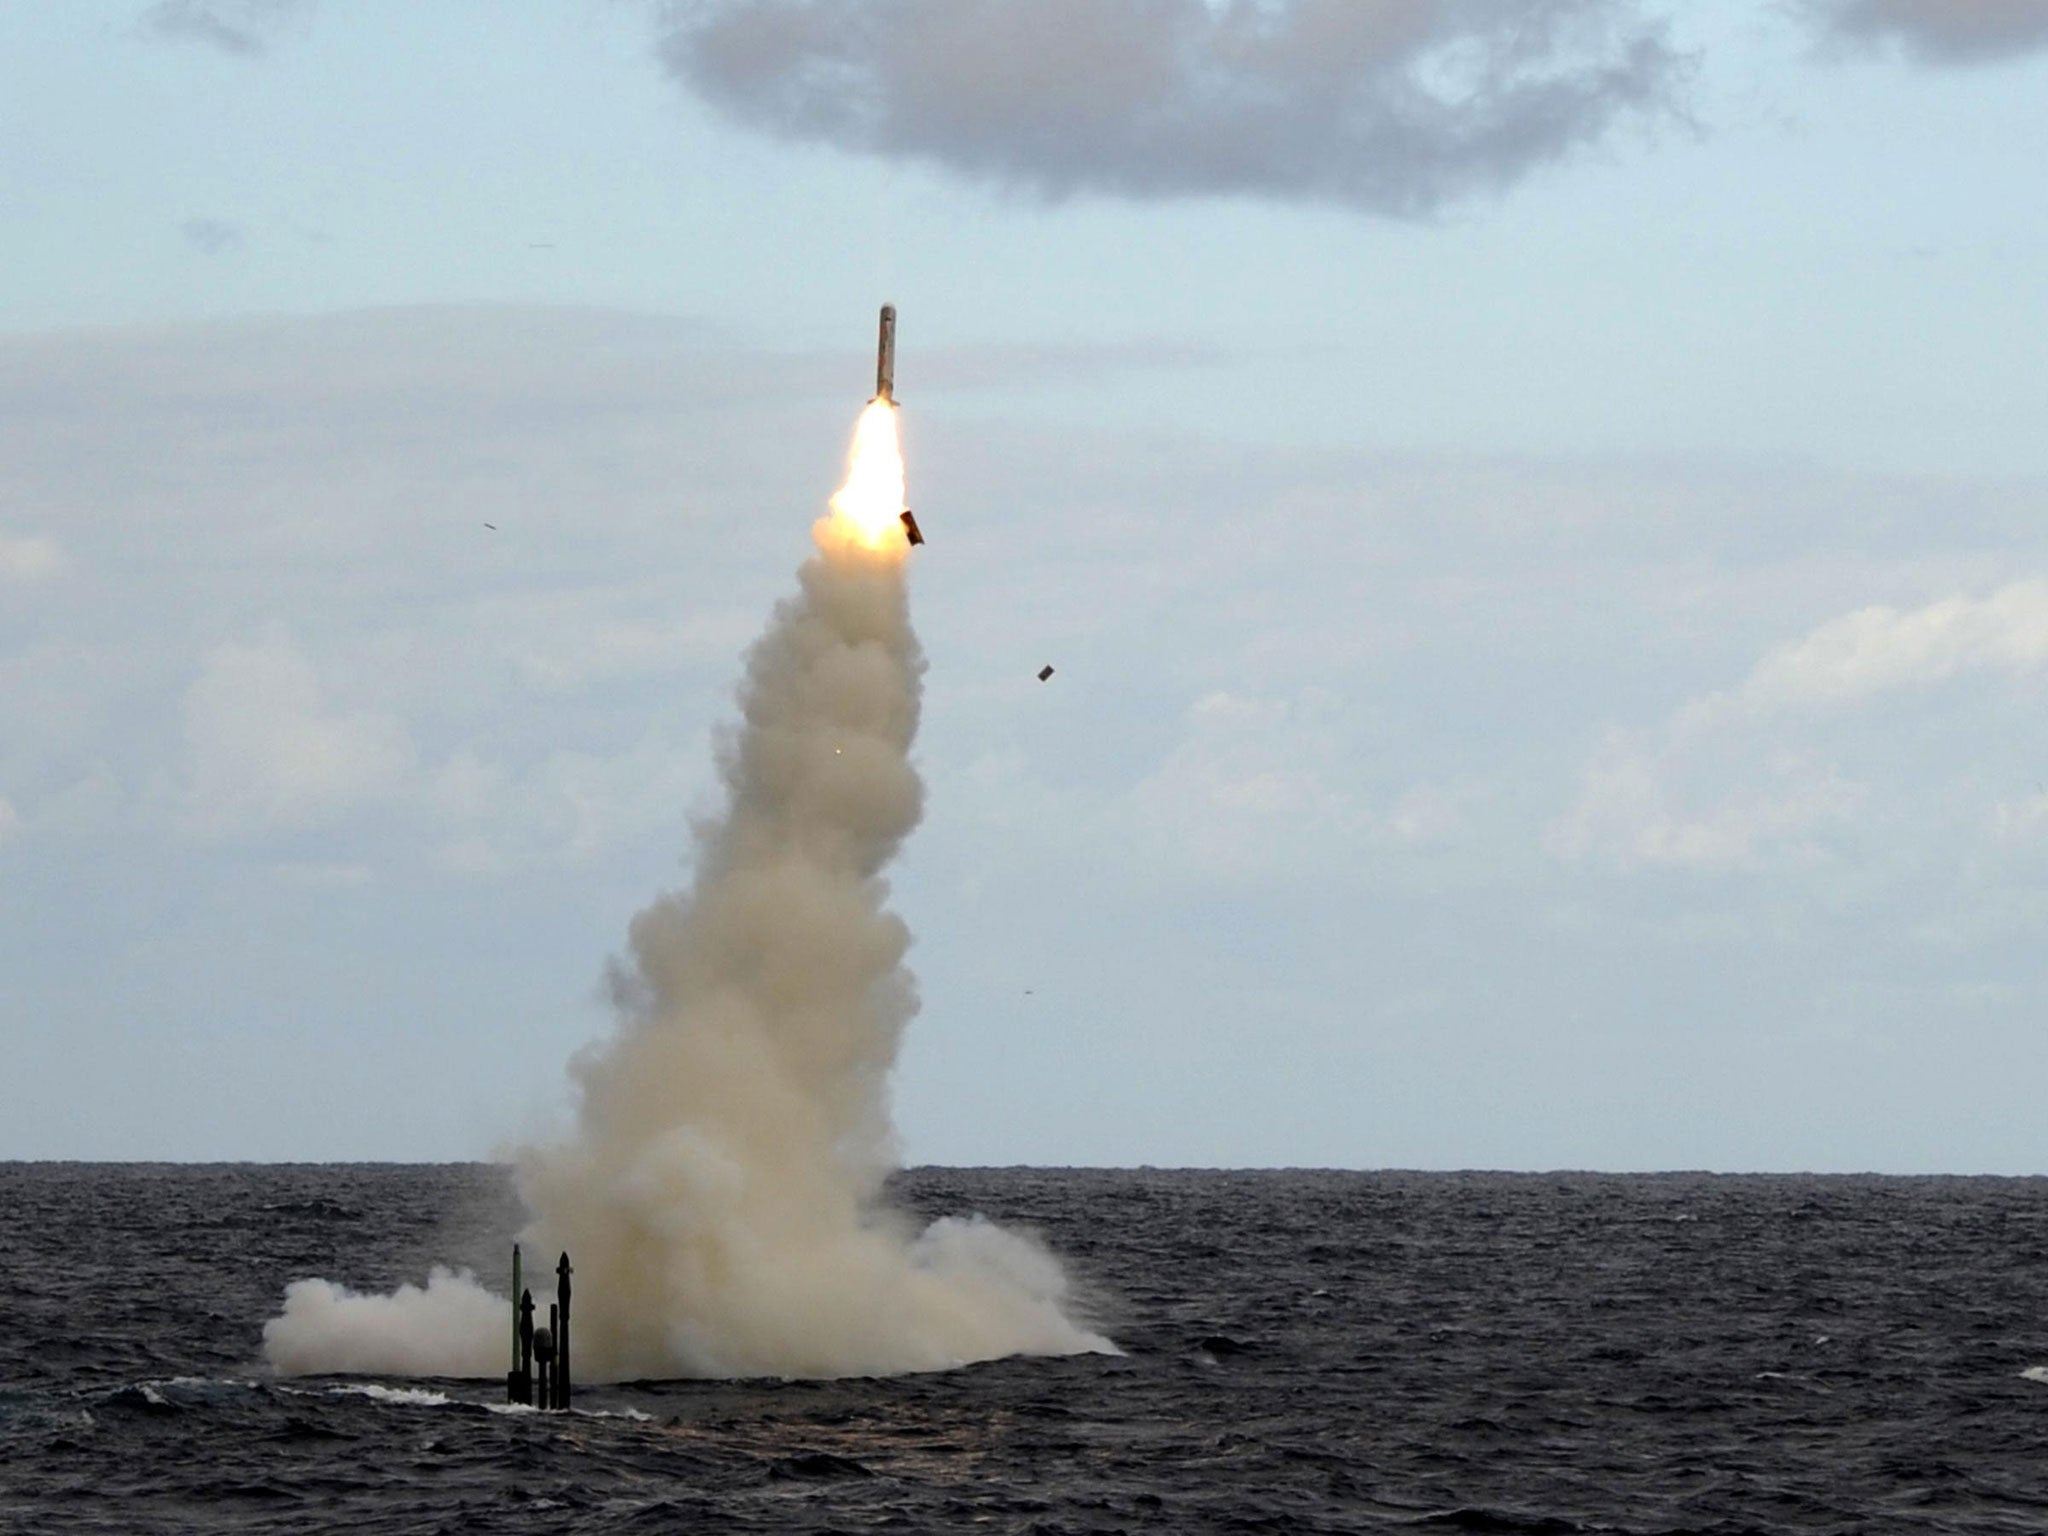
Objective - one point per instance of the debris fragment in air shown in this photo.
(910, 528)
(1044, 673)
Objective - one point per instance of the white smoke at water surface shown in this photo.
(454, 1327)
(721, 1194)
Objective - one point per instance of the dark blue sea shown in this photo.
(1304, 1352)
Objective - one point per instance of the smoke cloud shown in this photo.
(454, 1327)
(1937, 32)
(722, 1194)
(1393, 108)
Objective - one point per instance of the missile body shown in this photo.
(885, 392)
(885, 357)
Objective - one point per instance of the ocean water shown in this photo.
(1304, 1352)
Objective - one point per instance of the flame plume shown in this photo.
(867, 510)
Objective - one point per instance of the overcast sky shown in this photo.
(1539, 509)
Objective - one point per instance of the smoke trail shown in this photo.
(722, 1192)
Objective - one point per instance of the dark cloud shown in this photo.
(245, 28)
(1935, 31)
(1394, 108)
(213, 236)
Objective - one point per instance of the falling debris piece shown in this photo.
(1044, 673)
(492, 526)
(910, 528)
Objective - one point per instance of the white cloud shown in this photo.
(2022, 819)
(1740, 775)
(1883, 649)
(265, 752)
(566, 655)
(400, 667)
(31, 559)
(1251, 783)
(569, 808)
(1428, 813)
(1633, 811)
(269, 752)
(90, 800)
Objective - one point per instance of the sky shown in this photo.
(1535, 507)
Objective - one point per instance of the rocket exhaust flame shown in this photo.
(868, 509)
(722, 1187)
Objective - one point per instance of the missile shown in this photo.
(885, 357)
(885, 394)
